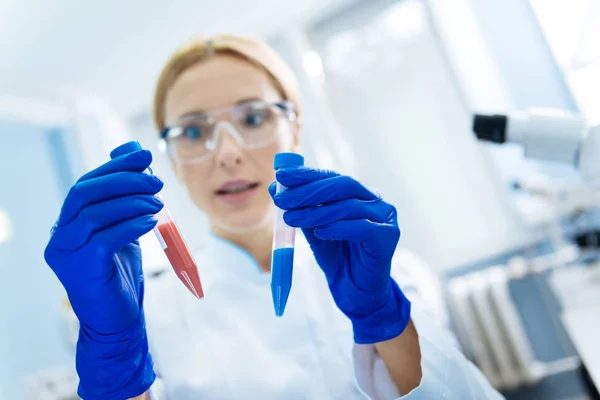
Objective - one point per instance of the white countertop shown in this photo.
(583, 326)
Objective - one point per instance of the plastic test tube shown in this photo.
(177, 251)
(282, 261)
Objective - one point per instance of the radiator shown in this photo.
(491, 332)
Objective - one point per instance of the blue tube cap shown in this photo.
(288, 160)
(129, 147)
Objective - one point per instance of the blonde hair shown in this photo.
(254, 51)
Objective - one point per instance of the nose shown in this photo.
(228, 153)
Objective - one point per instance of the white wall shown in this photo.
(395, 100)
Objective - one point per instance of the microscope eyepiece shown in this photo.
(491, 128)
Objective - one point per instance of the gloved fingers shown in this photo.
(114, 238)
(377, 238)
(273, 189)
(323, 191)
(297, 176)
(309, 235)
(349, 209)
(126, 148)
(104, 188)
(137, 161)
(99, 216)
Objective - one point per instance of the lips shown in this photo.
(238, 186)
(237, 193)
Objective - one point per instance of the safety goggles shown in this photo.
(253, 124)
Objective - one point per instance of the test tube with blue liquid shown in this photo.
(284, 237)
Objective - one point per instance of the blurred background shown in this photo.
(390, 90)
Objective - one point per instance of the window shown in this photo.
(572, 29)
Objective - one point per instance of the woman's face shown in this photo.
(230, 185)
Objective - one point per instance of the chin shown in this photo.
(245, 220)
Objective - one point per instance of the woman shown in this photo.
(225, 107)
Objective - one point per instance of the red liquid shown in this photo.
(180, 258)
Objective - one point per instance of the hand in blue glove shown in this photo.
(95, 254)
(353, 234)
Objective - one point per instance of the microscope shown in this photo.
(548, 135)
(556, 136)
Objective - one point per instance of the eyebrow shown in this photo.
(202, 113)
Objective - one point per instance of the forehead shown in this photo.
(219, 82)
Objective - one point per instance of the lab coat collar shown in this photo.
(239, 261)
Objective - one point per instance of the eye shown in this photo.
(255, 118)
(193, 132)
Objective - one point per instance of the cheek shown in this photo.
(264, 160)
(194, 177)
(263, 157)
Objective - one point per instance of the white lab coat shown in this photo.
(230, 345)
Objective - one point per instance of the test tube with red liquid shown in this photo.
(177, 251)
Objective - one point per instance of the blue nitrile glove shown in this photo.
(95, 254)
(353, 234)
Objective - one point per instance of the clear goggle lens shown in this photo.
(253, 124)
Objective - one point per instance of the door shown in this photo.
(34, 175)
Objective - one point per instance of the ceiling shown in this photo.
(114, 49)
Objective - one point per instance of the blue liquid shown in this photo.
(282, 266)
